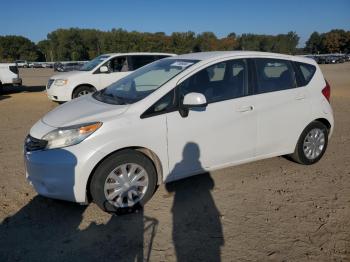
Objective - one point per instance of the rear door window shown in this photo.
(141, 60)
(273, 75)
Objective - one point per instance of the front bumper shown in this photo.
(59, 93)
(52, 173)
(61, 173)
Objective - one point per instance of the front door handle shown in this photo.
(245, 109)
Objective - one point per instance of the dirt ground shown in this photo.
(270, 210)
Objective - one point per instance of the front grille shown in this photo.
(49, 84)
(34, 144)
(14, 69)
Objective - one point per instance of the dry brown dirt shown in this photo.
(270, 210)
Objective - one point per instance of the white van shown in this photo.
(9, 75)
(97, 74)
(177, 117)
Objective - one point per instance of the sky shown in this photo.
(35, 19)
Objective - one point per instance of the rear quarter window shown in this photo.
(14, 69)
(306, 71)
(273, 75)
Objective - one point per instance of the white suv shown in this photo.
(178, 117)
(97, 74)
(9, 75)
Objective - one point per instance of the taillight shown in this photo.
(326, 91)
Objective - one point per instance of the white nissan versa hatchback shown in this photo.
(178, 117)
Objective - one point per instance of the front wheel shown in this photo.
(123, 182)
(312, 144)
(82, 90)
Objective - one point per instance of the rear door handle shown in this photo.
(245, 109)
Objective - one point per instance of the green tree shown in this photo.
(207, 41)
(45, 48)
(17, 47)
(313, 44)
(68, 44)
(182, 42)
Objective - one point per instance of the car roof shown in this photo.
(139, 53)
(214, 55)
(7, 64)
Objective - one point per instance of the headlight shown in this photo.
(60, 82)
(69, 136)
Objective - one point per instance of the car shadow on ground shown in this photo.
(3, 97)
(7, 90)
(49, 230)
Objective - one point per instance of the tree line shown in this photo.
(334, 41)
(85, 44)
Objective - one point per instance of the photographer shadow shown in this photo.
(197, 230)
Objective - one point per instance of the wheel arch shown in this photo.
(75, 88)
(325, 122)
(145, 151)
(321, 120)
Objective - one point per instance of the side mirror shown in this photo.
(104, 69)
(192, 100)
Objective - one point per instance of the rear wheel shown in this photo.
(312, 144)
(123, 182)
(83, 90)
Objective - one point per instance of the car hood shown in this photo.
(84, 109)
(66, 75)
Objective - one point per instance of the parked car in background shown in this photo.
(329, 58)
(35, 65)
(97, 74)
(347, 57)
(313, 57)
(341, 59)
(9, 75)
(321, 59)
(68, 66)
(333, 59)
(47, 65)
(178, 117)
(22, 63)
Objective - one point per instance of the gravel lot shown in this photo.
(270, 210)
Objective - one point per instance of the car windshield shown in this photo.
(143, 81)
(93, 63)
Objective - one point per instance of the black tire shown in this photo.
(1, 89)
(299, 155)
(77, 92)
(107, 166)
